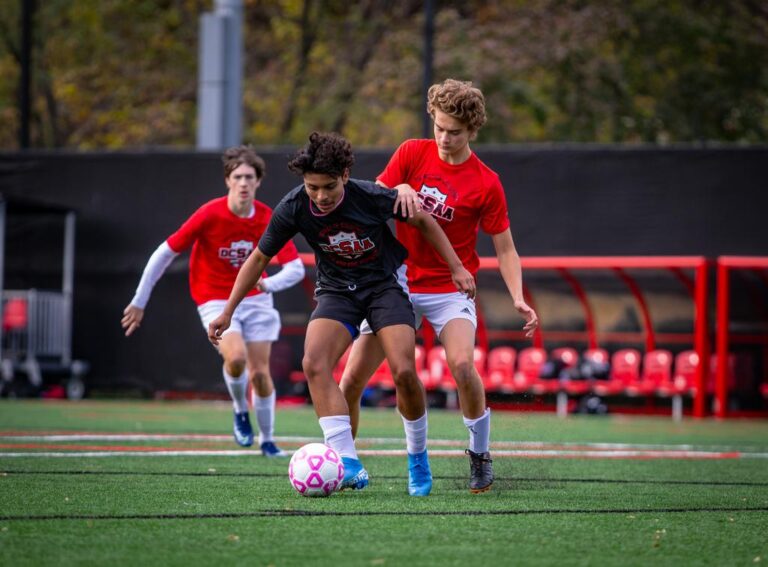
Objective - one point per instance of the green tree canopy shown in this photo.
(123, 73)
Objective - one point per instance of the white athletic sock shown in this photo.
(238, 387)
(479, 432)
(264, 408)
(416, 434)
(337, 433)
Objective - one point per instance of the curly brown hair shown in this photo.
(460, 100)
(326, 152)
(234, 157)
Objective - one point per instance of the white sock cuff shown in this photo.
(334, 424)
(470, 422)
(236, 379)
(416, 422)
(263, 403)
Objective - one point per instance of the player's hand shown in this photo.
(131, 320)
(531, 319)
(260, 285)
(407, 200)
(217, 327)
(464, 282)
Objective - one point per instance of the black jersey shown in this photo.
(353, 244)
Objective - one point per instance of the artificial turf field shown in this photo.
(162, 483)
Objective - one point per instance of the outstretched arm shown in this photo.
(158, 262)
(512, 273)
(249, 274)
(432, 232)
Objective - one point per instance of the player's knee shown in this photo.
(258, 376)
(351, 386)
(314, 367)
(235, 366)
(405, 376)
(463, 370)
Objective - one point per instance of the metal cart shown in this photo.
(36, 330)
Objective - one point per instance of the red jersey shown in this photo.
(221, 242)
(461, 198)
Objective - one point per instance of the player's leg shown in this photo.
(232, 350)
(454, 319)
(263, 396)
(325, 342)
(458, 338)
(261, 327)
(364, 359)
(398, 342)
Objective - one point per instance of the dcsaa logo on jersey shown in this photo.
(433, 202)
(347, 245)
(237, 253)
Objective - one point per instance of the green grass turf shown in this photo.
(203, 510)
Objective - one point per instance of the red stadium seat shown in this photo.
(599, 355)
(656, 377)
(529, 363)
(625, 371)
(501, 369)
(683, 380)
(567, 355)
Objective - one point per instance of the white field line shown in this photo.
(496, 446)
(540, 454)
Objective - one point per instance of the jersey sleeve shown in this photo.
(186, 235)
(396, 171)
(495, 217)
(384, 200)
(280, 230)
(287, 253)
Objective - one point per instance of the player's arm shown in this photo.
(512, 273)
(158, 262)
(433, 234)
(246, 279)
(291, 273)
(407, 200)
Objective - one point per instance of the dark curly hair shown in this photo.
(326, 152)
(232, 158)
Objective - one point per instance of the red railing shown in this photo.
(563, 266)
(726, 264)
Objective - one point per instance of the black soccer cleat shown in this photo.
(480, 471)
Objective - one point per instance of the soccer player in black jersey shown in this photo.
(344, 220)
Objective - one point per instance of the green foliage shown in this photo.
(123, 73)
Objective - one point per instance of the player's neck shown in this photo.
(455, 158)
(240, 209)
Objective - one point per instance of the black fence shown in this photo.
(562, 201)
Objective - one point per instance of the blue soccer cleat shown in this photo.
(355, 476)
(269, 449)
(243, 430)
(419, 474)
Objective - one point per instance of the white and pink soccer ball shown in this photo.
(315, 470)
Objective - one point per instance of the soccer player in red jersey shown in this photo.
(463, 195)
(222, 234)
(344, 220)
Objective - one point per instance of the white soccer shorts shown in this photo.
(437, 308)
(255, 318)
